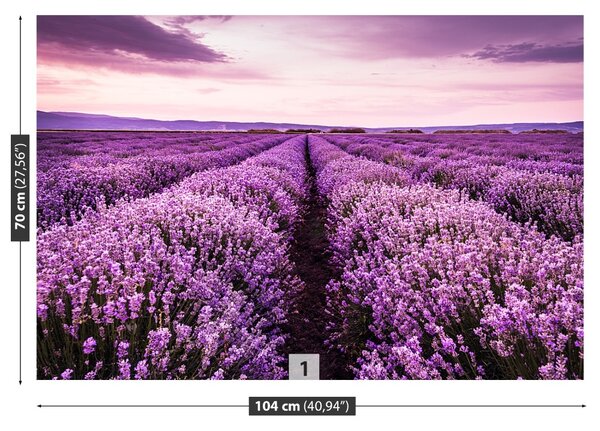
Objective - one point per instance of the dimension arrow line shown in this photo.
(141, 405)
(358, 405)
(20, 272)
(472, 405)
(20, 319)
(20, 73)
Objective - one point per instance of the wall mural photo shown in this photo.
(401, 195)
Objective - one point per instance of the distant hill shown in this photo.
(75, 120)
(573, 127)
(81, 121)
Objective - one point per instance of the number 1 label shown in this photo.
(303, 366)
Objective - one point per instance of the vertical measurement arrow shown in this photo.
(20, 289)
(19, 195)
(20, 242)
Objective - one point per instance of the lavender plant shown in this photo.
(193, 282)
(435, 285)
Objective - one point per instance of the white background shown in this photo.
(18, 404)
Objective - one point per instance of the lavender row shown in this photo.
(550, 151)
(551, 201)
(194, 282)
(61, 149)
(434, 285)
(65, 193)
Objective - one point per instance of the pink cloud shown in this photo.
(381, 37)
(114, 34)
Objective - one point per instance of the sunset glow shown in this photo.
(368, 71)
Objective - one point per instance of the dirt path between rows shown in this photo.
(310, 254)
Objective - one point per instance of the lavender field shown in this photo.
(183, 255)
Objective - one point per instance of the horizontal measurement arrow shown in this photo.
(358, 405)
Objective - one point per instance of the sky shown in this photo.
(371, 71)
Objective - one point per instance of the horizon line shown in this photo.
(307, 124)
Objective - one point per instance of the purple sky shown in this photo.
(336, 70)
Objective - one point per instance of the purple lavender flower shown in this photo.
(141, 370)
(89, 346)
(67, 374)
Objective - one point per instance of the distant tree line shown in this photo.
(303, 131)
(405, 131)
(444, 131)
(348, 130)
(550, 131)
(264, 131)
